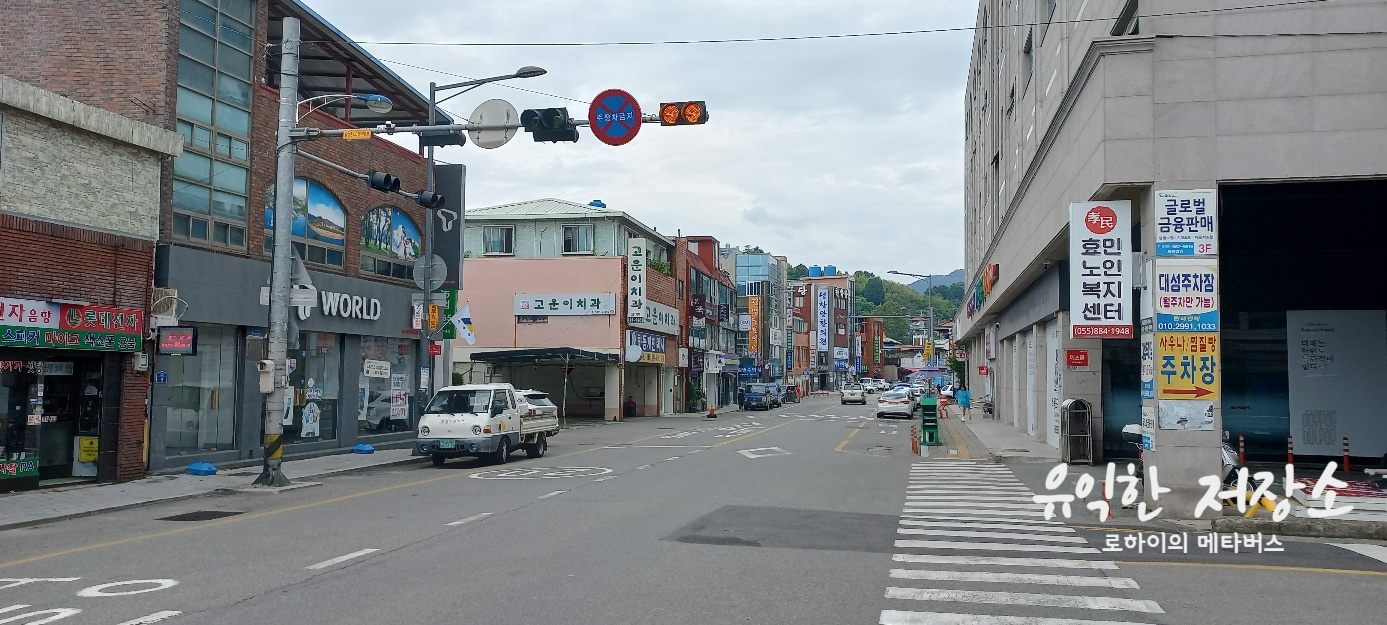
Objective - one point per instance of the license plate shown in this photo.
(447, 444)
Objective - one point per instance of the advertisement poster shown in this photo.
(1054, 373)
(1187, 222)
(822, 312)
(1148, 365)
(1185, 414)
(1100, 280)
(1187, 365)
(1186, 295)
(1148, 428)
(1336, 370)
(754, 335)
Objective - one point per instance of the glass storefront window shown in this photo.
(315, 379)
(386, 387)
(19, 438)
(202, 394)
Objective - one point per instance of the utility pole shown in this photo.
(282, 265)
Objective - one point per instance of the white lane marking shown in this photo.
(100, 589)
(654, 446)
(695, 451)
(955, 544)
(11, 582)
(996, 526)
(987, 516)
(557, 492)
(1376, 552)
(670, 458)
(1058, 563)
(968, 481)
(644, 466)
(969, 505)
(1026, 598)
(603, 479)
(340, 559)
(1093, 581)
(991, 498)
(902, 617)
(925, 490)
(153, 618)
(1003, 535)
(49, 615)
(475, 517)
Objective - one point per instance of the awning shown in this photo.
(554, 355)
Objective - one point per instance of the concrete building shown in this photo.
(708, 305)
(79, 216)
(1236, 153)
(761, 296)
(835, 307)
(579, 301)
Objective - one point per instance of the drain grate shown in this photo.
(879, 449)
(200, 515)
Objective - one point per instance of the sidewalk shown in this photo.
(1001, 441)
(34, 507)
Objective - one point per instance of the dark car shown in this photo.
(761, 396)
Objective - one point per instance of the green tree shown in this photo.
(750, 249)
(898, 327)
(959, 367)
(875, 292)
(865, 307)
(797, 272)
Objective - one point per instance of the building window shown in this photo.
(390, 243)
(319, 227)
(210, 178)
(1127, 21)
(383, 402)
(201, 402)
(498, 240)
(842, 328)
(577, 239)
(1027, 60)
(315, 382)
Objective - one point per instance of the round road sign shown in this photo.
(494, 112)
(614, 117)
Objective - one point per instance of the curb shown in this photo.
(1319, 528)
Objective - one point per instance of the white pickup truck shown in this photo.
(490, 420)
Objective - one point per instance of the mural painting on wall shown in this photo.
(388, 231)
(318, 216)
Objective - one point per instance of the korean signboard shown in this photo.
(658, 318)
(1187, 365)
(743, 322)
(565, 304)
(1187, 222)
(724, 313)
(1148, 427)
(31, 323)
(651, 346)
(753, 303)
(698, 308)
(822, 318)
(635, 277)
(1148, 365)
(840, 353)
(1186, 295)
(1100, 266)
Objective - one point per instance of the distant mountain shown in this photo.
(956, 276)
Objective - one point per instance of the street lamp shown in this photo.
(376, 103)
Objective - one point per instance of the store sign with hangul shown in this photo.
(652, 346)
(1187, 222)
(574, 304)
(724, 313)
(31, 323)
(658, 318)
(1187, 365)
(1186, 295)
(822, 318)
(1100, 268)
(698, 307)
(753, 338)
(635, 278)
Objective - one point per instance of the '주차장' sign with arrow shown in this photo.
(1187, 365)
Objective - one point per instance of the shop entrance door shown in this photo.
(70, 428)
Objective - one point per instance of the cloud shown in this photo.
(843, 151)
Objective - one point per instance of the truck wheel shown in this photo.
(439, 459)
(502, 453)
(537, 448)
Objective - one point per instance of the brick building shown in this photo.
(708, 307)
(200, 68)
(79, 200)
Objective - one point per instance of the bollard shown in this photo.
(1242, 451)
(1290, 450)
(1345, 455)
(914, 440)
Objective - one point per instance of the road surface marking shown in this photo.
(475, 517)
(901, 617)
(1059, 563)
(961, 513)
(1004, 535)
(959, 444)
(670, 458)
(557, 492)
(340, 559)
(1257, 567)
(758, 432)
(991, 498)
(1376, 552)
(152, 618)
(1025, 598)
(954, 544)
(970, 505)
(997, 526)
(1029, 519)
(1097, 581)
(603, 479)
(936, 490)
(100, 589)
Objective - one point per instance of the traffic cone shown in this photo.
(712, 411)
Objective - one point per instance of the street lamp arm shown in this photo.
(378, 103)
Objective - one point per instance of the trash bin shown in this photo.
(1077, 437)
(929, 425)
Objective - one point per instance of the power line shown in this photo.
(895, 33)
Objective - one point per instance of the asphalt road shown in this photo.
(794, 515)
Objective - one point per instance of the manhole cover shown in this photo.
(1017, 451)
(200, 515)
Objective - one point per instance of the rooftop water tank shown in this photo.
(597, 203)
(830, 270)
(815, 271)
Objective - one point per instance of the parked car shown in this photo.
(897, 402)
(481, 420)
(759, 395)
(948, 391)
(536, 403)
(853, 393)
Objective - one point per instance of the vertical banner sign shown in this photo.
(1186, 295)
(1148, 365)
(1187, 365)
(753, 339)
(823, 312)
(635, 276)
(451, 183)
(1100, 280)
(1187, 222)
(1148, 427)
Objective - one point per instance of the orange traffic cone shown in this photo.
(712, 411)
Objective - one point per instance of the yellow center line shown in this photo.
(258, 515)
(959, 443)
(733, 440)
(850, 435)
(1260, 567)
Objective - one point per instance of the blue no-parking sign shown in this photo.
(614, 117)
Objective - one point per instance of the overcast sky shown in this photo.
(842, 151)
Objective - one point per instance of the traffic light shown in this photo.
(382, 181)
(438, 138)
(428, 199)
(549, 125)
(683, 113)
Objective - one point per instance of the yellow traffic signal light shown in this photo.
(683, 113)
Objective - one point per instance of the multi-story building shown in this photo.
(801, 361)
(708, 307)
(1233, 152)
(579, 301)
(79, 216)
(873, 347)
(761, 282)
(834, 343)
(200, 68)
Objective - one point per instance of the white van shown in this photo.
(482, 420)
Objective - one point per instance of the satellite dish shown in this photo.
(494, 112)
(633, 353)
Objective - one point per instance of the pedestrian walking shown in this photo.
(964, 397)
(741, 398)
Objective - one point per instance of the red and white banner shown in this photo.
(1100, 270)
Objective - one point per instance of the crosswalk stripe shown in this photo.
(1058, 563)
(902, 617)
(1025, 520)
(998, 526)
(966, 512)
(1009, 505)
(1025, 598)
(993, 498)
(964, 481)
(968, 491)
(975, 546)
(962, 533)
(1376, 552)
(1092, 581)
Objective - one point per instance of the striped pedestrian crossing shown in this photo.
(973, 547)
